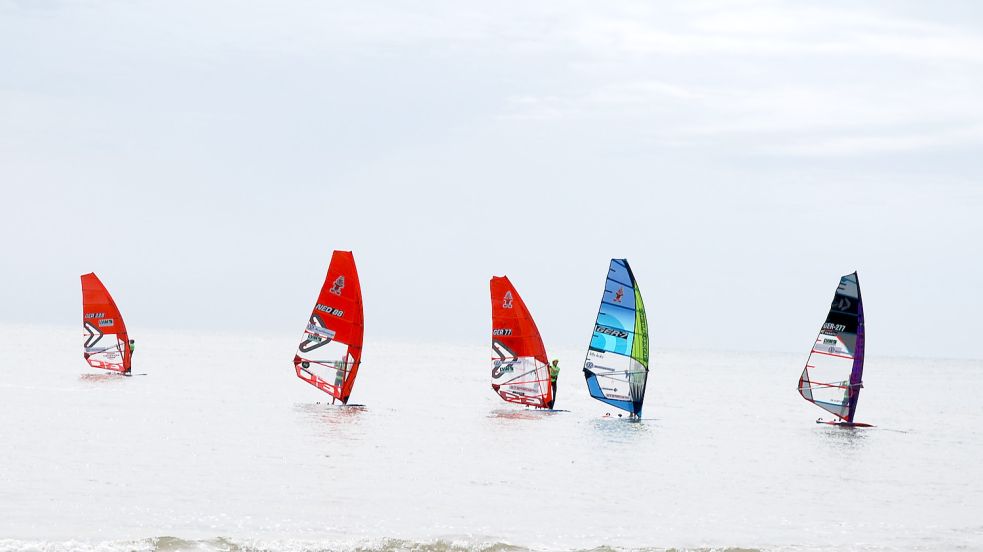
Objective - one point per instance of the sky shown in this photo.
(205, 158)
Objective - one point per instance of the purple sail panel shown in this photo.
(856, 376)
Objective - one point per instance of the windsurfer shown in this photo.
(132, 344)
(339, 377)
(554, 373)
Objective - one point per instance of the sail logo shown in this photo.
(316, 335)
(843, 304)
(610, 331)
(612, 393)
(105, 322)
(337, 286)
(507, 302)
(319, 331)
(499, 368)
(332, 311)
(619, 295)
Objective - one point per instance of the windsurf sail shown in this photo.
(832, 377)
(106, 343)
(520, 373)
(617, 361)
(330, 352)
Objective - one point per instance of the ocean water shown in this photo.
(221, 447)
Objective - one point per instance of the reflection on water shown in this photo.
(619, 430)
(523, 414)
(331, 413)
(843, 436)
(108, 377)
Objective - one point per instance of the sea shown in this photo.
(216, 445)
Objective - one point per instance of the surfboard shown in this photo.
(106, 342)
(330, 351)
(833, 374)
(520, 372)
(843, 424)
(616, 367)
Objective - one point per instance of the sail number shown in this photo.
(332, 311)
(95, 315)
(501, 332)
(834, 327)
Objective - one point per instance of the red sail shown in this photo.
(331, 350)
(519, 366)
(105, 336)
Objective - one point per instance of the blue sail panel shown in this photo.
(617, 318)
(619, 294)
(619, 272)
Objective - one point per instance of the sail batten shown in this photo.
(616, 367)
(833, 373)
(330, 351)
(106, 340)
(520, 372)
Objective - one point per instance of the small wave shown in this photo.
(221, 544)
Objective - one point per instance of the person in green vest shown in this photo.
(554, 373)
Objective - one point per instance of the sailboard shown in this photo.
(520, 372)
(617, 361)
(330, 350)
(106, 343)
(833, 374)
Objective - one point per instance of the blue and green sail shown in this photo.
(617, 361)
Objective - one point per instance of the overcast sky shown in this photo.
(205, 158)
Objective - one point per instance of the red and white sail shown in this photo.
(520, 371)
(330, 352)
(106, 342)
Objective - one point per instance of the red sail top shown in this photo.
(329, 355)
(519, 364)
(509, 312)
(104, 331)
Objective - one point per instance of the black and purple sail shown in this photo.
(833, 375)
